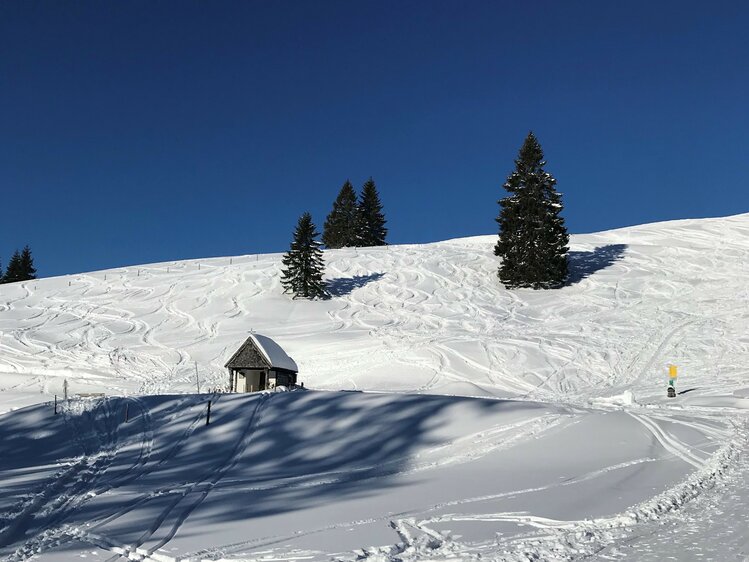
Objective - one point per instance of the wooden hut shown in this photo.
(260, 364)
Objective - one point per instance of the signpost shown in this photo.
(671, 390)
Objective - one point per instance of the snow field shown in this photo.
(319, 473)
(569, 448)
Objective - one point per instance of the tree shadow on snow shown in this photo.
(342, 286)
(262, 455)
(584, 264)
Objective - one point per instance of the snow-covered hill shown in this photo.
(570, 447)
(429, 317)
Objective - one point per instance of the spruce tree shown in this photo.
(340, 228)
(303, 262)
(532, 236)
(28, 271)
(372, 231)
(14, 272)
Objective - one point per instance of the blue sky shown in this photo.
(133, 132)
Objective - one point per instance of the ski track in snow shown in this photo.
(54, 533)
(200, 487)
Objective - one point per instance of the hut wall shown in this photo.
(248, 357)
(284, 378)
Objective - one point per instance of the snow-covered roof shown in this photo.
(273, 352)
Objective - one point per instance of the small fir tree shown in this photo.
(340, 228)
(14, 272)
(303, 263)
(372, 231)
(28, 271)
(532, 236)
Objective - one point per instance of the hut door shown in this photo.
(241, 383)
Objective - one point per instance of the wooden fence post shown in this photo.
(208, 416)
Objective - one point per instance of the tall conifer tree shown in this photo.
(14, 272)
(372, 231)
(532, 236)
(303, 262)
(340, 228)
(28, 271)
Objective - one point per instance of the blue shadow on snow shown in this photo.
(584, 264)
(342, 286)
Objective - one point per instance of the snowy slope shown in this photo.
(581, 454)
(314, 475)
(430, 317)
